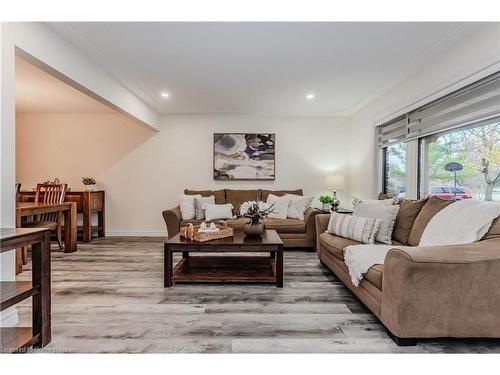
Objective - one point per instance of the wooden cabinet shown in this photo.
(87, 204)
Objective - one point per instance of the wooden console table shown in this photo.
(15, 339)
(87, 203)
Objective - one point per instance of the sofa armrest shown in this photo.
(172, 219)
(309, 216)
(468, 253)
(321, 226)
(443, 291)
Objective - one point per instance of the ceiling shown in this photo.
(265, 68)
(39, 92)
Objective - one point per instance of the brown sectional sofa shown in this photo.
(425, 292)
(293, 232)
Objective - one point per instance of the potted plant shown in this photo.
(55, 181)
(326, 202)
(256, 214)
(89, 183)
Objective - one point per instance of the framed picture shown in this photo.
(244, 156)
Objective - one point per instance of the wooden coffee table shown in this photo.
(222, 268)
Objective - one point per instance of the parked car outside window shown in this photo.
(449, 193)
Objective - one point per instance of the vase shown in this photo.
(326, 206)
(89, 187)
(254, 229)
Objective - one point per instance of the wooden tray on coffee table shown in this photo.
(191, 231)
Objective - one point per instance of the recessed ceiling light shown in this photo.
(165, 94)
(310, 96)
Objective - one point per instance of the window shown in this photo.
(477, 174)
(452, 146)
(395, 170)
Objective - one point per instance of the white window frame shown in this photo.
(411, 179)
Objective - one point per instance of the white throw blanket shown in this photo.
(461, 222)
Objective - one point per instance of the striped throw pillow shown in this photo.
(361, 229)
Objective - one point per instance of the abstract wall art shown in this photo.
(242, 156)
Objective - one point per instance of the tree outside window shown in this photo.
(478, 150)
(395, 171)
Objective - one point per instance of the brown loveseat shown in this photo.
(425, 292)
(293, 232)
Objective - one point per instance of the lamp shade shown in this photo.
(335, 181)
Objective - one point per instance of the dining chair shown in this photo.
(18, 190)
(49, 194)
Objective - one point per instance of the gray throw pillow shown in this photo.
(387, 215)
(199, 202)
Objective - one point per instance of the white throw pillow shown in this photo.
(361, 229)
(298, 205)
(461, 222)
(388, 201)
(188, 211)
(280, 208)
(386, 213)
(218, 211)
(199, 202)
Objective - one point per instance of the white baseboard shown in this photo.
(9, 317)
(136, 233)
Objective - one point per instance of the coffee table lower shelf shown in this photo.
(225, 269)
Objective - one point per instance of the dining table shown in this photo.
(68, 210)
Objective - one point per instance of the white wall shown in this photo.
(7, 194)
(144, 171)
(471, 57)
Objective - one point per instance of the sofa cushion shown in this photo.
(429, 209)
(237, 197)
(336, 244)
(494, 231)
(397, 243)
(408, 212)
(220, 195)
(285, 225)
(374, 275)
(279, 193)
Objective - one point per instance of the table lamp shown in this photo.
(335, 182)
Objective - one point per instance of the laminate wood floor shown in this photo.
(109, 298)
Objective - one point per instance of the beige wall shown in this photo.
(143, 172)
